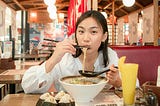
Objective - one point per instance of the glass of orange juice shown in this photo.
(129, 75)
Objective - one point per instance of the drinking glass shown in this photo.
(129, 75)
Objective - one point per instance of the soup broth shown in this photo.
(83, 80)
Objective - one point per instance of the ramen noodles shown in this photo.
(84, 58)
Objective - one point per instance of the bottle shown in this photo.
(151, 98)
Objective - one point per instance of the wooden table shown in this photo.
(10, 79)
(30, 100)
(26, 64)
(19, 100)
(14, 76)
(32, 56)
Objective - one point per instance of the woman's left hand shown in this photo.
(114, 77)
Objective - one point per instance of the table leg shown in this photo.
(12, 89)
(3, 90)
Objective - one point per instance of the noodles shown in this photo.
(84, 59)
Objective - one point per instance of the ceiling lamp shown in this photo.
(128, 3)
(33, 14)
(49, 2)
(53, 15)
(51, 8)
(104, 14)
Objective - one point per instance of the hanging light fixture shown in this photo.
(104, 14)
(51, 8)
(49, 2)
(53, 15)
(128, 3)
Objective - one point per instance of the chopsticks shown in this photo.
(48, 45)
(76, 46)
(50, 40)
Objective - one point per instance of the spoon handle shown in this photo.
(108, 70)
(104, 71)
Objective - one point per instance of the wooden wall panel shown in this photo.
(41, 17)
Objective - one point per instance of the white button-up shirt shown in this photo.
(36, 80)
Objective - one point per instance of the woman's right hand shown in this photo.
(65, 46)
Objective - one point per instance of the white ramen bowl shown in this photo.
(83, 93)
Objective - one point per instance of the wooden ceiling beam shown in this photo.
(19, 4)
(13, 7)
(100, 7)
(124, 11)
(138, 4)
(107, 5)
(99, 1)
(32, 4)
(59, 11)
(38, 4)
(10, 3)
(37, 8)
(28, 1)
(120, 8)
(62, 4)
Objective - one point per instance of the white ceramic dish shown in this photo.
(83, 93)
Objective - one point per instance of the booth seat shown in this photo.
(148, 58)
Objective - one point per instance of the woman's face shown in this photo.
(90, 33)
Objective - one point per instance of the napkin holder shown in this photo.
(152, 86)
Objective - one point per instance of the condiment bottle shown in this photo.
(151, 98)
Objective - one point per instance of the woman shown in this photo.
(91, 31)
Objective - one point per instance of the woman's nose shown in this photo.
(86, 37)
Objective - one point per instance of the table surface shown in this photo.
(10, 79)
(14, 76)
(19, 100)
(31, 55)
(31, 99)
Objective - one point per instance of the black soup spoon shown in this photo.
(93, 74)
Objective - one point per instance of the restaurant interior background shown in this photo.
(27, 26)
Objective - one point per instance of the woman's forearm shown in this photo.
(50, 63)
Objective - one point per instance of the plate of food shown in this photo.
(55, 99)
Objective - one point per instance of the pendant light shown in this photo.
(128, 3)
(49, 2)
(53, 15)
(104, 14)
(51, 8)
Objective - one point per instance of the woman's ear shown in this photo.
(105, 35)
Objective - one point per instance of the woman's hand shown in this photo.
(65, 46)
(114, 77)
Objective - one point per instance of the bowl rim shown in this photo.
(72, 76)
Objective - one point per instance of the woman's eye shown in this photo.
(94, 32)
(80, 32)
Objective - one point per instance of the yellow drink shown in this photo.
(129, 75)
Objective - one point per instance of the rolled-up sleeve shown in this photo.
(36, 80)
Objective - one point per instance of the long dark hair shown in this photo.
(100, 19)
